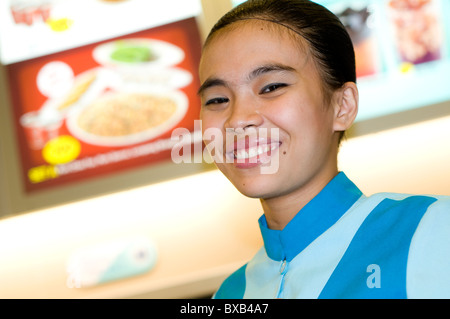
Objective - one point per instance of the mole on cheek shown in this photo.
(284, 153)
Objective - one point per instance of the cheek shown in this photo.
(213, 136)
(292, 116)
(306, 125)
(210, 121)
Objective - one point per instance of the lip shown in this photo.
(251, 152)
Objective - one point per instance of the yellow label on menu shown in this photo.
(42, 173)
(59, 25)
(61, 150)
(406, 67)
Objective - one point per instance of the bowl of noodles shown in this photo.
(127, 116)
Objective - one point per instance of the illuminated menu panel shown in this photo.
(85, 107)
(402, 50)
(32, 28)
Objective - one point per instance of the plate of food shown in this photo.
(128, 116)
(138, 53)
(85, 87)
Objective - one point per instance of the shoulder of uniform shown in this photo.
(429, 258)
(234, 286)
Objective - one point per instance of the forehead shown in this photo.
(246, 43)
(254, 25)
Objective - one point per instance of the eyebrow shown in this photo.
(272, 67)
(267, 68)
(211, 83)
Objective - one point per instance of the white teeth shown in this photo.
(254, 151)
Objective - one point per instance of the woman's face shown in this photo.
(264, 94)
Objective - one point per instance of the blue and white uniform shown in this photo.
(343, 244)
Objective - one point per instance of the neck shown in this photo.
(280, 210)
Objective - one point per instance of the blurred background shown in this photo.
(92, 93)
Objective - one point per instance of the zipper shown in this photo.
(283, 270)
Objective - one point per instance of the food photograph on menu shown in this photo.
(104, 106)
(402, 50)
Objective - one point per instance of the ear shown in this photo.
(346, 101)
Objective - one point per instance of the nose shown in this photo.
(243, 115)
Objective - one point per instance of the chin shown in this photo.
(254, 187)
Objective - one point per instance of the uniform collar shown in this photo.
(322, 212)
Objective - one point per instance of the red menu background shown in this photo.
(26, 97)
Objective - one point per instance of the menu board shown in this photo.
(32, 28)
(402, 52)
(106, 106)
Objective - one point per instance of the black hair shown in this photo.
(329, 41)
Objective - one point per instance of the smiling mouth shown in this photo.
(249, 154)
(255, 152)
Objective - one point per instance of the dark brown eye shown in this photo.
(272, 87)
(218, 100)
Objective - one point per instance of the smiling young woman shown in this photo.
(259, 76)
(287, 67)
